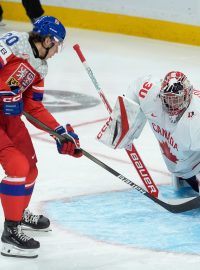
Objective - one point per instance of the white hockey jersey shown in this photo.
(179, 142)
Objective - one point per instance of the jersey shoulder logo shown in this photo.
(23, 76)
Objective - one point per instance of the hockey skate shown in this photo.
(35, 222)
(16, 244)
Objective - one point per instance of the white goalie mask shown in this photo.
(176, 93)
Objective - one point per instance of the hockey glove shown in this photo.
(12, 102)
(70, 146)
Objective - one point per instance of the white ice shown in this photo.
(116, 60)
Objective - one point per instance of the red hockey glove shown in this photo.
(69, 147)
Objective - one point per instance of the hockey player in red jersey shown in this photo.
(23, 67)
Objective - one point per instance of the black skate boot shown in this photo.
(16, 244)
(35, 222)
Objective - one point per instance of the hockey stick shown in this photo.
(173, 208)
(131, 150)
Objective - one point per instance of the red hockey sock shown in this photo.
(12, 197)
(29, 186)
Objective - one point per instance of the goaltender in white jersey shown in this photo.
(172, 108)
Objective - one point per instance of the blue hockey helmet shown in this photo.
(49, 26)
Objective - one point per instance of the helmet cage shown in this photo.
(176, 93)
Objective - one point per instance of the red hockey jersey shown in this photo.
(19, 67)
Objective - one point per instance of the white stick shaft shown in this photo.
(97, 86)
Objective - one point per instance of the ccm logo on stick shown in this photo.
(104, 128)
(12, 99)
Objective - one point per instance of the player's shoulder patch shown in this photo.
(193, 111)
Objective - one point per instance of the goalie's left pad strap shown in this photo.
(125, 124)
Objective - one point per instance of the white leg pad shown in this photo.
(13, 251)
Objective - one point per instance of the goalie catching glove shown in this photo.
(71, 145)
(125, 124)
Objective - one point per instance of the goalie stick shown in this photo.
(131, 150)
(190, 204)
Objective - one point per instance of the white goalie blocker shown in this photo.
(124, 125)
